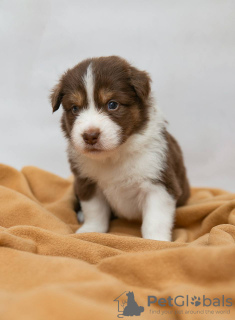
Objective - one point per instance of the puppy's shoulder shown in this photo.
(84, 187)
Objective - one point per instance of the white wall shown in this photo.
(187, 46)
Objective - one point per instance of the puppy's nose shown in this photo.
(91, 136)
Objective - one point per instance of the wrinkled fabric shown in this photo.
(49, 272)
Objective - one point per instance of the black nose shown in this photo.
(91, 136)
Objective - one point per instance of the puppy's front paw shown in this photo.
(92, 228)
(159, 237)
(156, 236)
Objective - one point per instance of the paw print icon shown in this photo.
(196, 301)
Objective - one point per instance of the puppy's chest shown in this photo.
(124, 190)
(125, 183)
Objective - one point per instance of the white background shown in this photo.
(188, 47)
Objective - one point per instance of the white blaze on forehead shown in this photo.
(89, 86)
(91, 117)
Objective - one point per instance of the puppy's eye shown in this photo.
(113, 105)
(75, 110)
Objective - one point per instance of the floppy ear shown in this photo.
(56, 96)
(140, 80)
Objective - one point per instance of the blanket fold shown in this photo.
(49, 272)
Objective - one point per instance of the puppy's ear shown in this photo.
(140, 80)
(56, 96)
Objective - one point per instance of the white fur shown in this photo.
(91, 118)
(96, 214)
(158, 214)
(125, 177)
(80, 216)
(89, 86)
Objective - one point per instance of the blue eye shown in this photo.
(75, 110)
(113, 105)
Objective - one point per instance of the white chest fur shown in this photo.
(125, 176)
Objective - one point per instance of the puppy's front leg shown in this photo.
(96, 213)
(158, 214)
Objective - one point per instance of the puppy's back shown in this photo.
(174, 176)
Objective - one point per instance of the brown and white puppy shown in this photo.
(120, 152)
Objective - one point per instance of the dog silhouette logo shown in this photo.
(127, 306)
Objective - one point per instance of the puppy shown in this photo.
(121, 154)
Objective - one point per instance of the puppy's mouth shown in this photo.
(93, 149)
(97, 151)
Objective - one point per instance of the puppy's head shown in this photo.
(105, 101)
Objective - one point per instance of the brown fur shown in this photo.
(84, 188)
(115, 80)
(174, 176)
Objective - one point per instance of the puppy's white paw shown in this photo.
(92, 228)
(156, 236)
(161, 238)
(80, 216)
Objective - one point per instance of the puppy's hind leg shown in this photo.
(80, 216)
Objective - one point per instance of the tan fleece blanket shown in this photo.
(48, 272)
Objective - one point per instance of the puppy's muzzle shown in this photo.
(91, 137)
